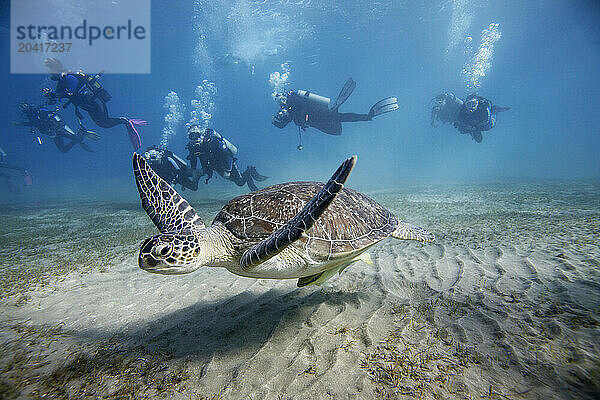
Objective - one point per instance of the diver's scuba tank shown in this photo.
(314, 100)
(230, 146)
(91, 82)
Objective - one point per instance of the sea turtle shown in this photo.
(303, 230)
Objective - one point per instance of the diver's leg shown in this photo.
(330, 126)
(61, 146)
(236, 177)
(246, 178)
(353, 117)
(99, 114)
(477, 136)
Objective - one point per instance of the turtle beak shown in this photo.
(159, 255)
(149, 259)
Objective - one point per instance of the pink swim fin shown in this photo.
(134, 136)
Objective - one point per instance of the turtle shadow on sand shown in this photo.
(243, 321)
(161, 353)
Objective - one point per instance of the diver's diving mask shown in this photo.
(195, 132)
(471, 105)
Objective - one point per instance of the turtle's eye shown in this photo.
(162, 250)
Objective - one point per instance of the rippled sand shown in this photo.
(504, 305)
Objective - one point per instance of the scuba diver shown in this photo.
(307, 109)
(46, 121)
(477, 114)
(27, 181)
(170, 167)
(445, 108)
(85, 92)
(216, 153)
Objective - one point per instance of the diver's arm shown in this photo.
(54, 95)
(21, 123)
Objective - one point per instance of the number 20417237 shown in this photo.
(44, 47)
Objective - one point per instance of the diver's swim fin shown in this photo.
(383, 106)
(497, 109)
(90, 135)
(251, 185)
(247, 175)
(134, 136)
(344, 94)
(86, 147)
(256, 176)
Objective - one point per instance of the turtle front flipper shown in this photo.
(301, 222)
(407, 231)
(166, 208)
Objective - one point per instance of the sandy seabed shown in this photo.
(505, 304)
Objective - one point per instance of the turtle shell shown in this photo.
(352, 222)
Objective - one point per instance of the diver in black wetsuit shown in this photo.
(85, 92)
(477, 114)
(170, 167)
(5, 167)
(216, 153)
(307, 109)
(46, 120)
(472, 116)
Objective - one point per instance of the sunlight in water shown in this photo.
(280, 81)
(203, 106)
(481, 62)
(174, 117)
(460, 22)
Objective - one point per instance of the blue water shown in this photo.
(545, 66)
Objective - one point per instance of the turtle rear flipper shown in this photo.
(316, 279)
(166, 208)
(321, 277)
(407, 231)
(301, 222)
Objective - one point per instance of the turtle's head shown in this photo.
(170, 254)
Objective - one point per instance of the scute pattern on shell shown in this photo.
(351, 222)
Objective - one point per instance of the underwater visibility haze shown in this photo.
(473, 119)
